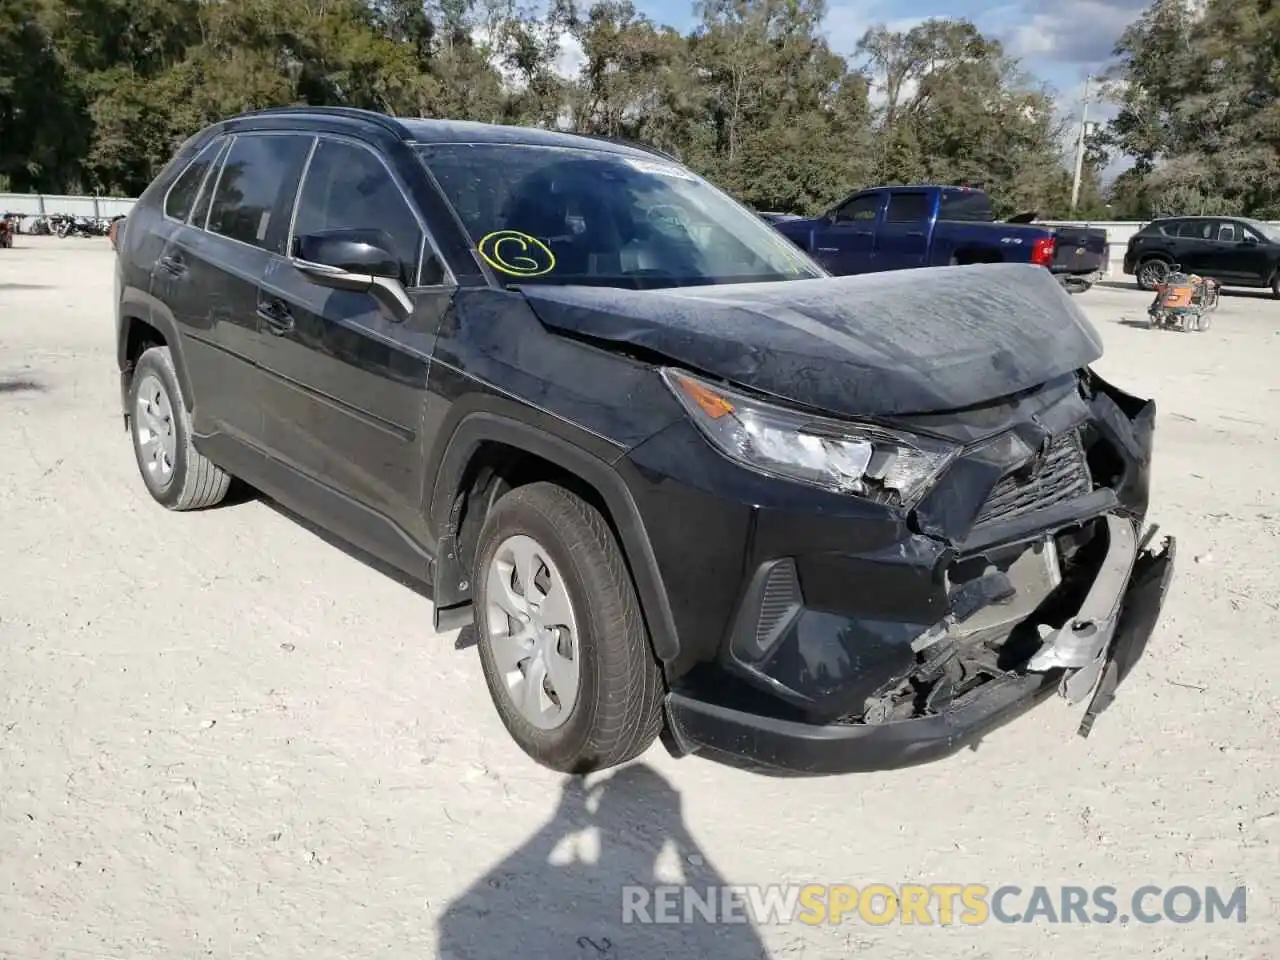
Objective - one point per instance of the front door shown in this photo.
(346, 380)
(1239, 255)
(845, 243)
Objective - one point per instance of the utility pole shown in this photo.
(1084, 128)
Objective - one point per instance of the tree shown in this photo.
(40, 145)
(1199, 94)
(956, 109)
(96, 94)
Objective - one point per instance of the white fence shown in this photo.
(35, 204)
(45, 204)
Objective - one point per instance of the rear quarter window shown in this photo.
(181, 196)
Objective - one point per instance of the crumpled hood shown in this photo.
(908, 341)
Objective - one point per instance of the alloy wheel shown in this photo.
(1152, 272)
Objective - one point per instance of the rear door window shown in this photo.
(256, 186)
(181, 197)
(908, 208)
(1196, 229)
(966, 206)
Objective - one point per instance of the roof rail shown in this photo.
(633, 144)
(390, 124)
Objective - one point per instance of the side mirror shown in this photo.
(352, 251)
(355, 260)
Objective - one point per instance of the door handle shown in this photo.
(275, 314)
(828, 249)
(173, 265)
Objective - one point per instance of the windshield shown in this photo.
(1272, 233)
(569, 216)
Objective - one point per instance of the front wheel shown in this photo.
(562, 643)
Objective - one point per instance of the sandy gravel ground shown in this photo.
(221, 736)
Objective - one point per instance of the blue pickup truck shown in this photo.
(895, 228)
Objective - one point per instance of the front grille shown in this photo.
(1063, 476)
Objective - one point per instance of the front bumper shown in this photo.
(766, 744)
(818, 633)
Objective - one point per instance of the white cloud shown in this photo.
(569, 58)
(1074, 31)
(847, 20)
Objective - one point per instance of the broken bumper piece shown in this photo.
(1089, 656)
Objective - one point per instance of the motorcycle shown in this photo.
(1183, 301)
(8, 226)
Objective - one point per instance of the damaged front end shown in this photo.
(1041, 577)
(1039, 584)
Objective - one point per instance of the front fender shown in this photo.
(573, 455)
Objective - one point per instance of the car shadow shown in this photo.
(20, 385)
(333, 540)
(1136, 324)
(564, 893)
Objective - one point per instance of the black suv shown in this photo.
(1235, 251)
(682, 481)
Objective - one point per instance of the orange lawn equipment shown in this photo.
(1184, 301)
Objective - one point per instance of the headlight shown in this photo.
(882, 465)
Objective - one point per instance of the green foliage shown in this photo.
(96, 94)
(1198, 86)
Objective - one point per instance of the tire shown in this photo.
(616, 709)
(191, 480)
(1145, 282)
(1275, 285)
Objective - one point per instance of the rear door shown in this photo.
(845, 243)
(345, 381)
(209, 272)
(1195, 247)
(903, 239)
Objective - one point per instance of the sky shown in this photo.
(1059, 41)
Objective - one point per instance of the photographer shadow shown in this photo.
(561, 895)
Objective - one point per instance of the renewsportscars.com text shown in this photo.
(969, 904)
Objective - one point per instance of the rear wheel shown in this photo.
(175, 473)
(562, 644)
(1152, 272)
(1275, 285)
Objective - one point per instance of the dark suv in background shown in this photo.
(678, 476)
(1235, 251)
